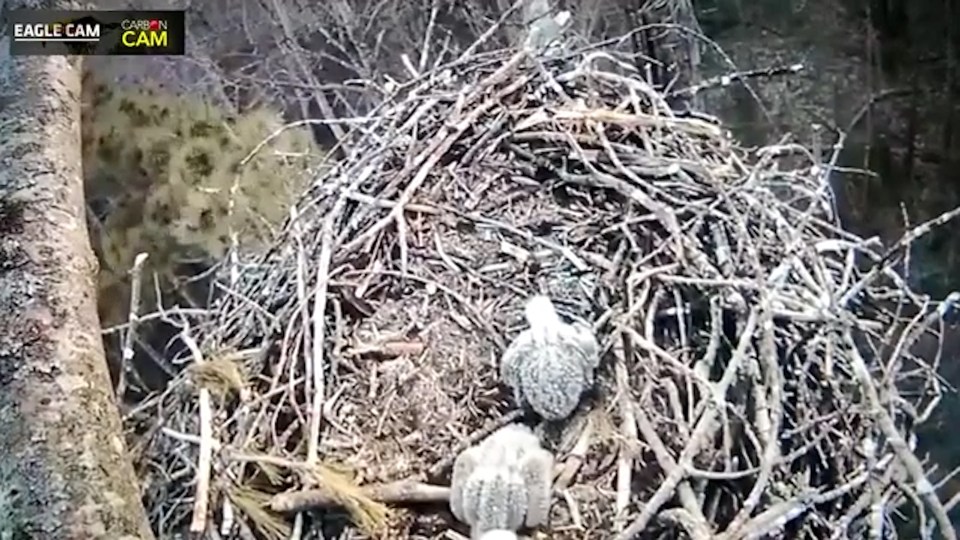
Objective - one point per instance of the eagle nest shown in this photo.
(758, 377)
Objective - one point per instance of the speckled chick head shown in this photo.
(509, 444)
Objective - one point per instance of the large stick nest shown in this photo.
(757, 376)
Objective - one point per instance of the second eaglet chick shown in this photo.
(550, 365)
(502, 484)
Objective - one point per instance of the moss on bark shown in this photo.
(64, 471)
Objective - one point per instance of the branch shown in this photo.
(403, 492)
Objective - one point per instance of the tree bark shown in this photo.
(64, 469)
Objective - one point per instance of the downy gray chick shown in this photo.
(499, 534)
(503, 483)
(550, 365)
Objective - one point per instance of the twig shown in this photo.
(446, 463)
(913, 466)
(127, 353)
(201, 501)
(704, 429)
(406, 492)
(629, 434)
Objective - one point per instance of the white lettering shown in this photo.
(83, 30)
(56, 31)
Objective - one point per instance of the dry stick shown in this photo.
(687, 497)
(440, 148)
(629, 428)
(489, 32)
(864, 501)
(607, 117)
(427, 36)
(319, 328)
(910, 462)
(664, 214)
(769, 427)
(779, 514)
(439, 467)
(903, 490)
(319, 315)
(909, 334)
(133, 319)
(182, 312)
(319, 311)
(575, 459)
(696, 529)
(704, 429)
(319, 97)
(888, 259)
(952, 503)
(404, 492)
(201, 499)
(727, 78)
(302, 303)
(878, 504)
(768, 411)
(564, 251)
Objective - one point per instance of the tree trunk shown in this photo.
(64, 472)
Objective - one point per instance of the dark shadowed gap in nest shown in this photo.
(324, 524)
(272, 350)
(354, 307)
(151, 371)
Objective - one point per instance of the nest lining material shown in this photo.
(740, 393)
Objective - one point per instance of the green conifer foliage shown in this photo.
(161, 171)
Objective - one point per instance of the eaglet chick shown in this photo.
(499, 534)
(550, 365)
(504, 483)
